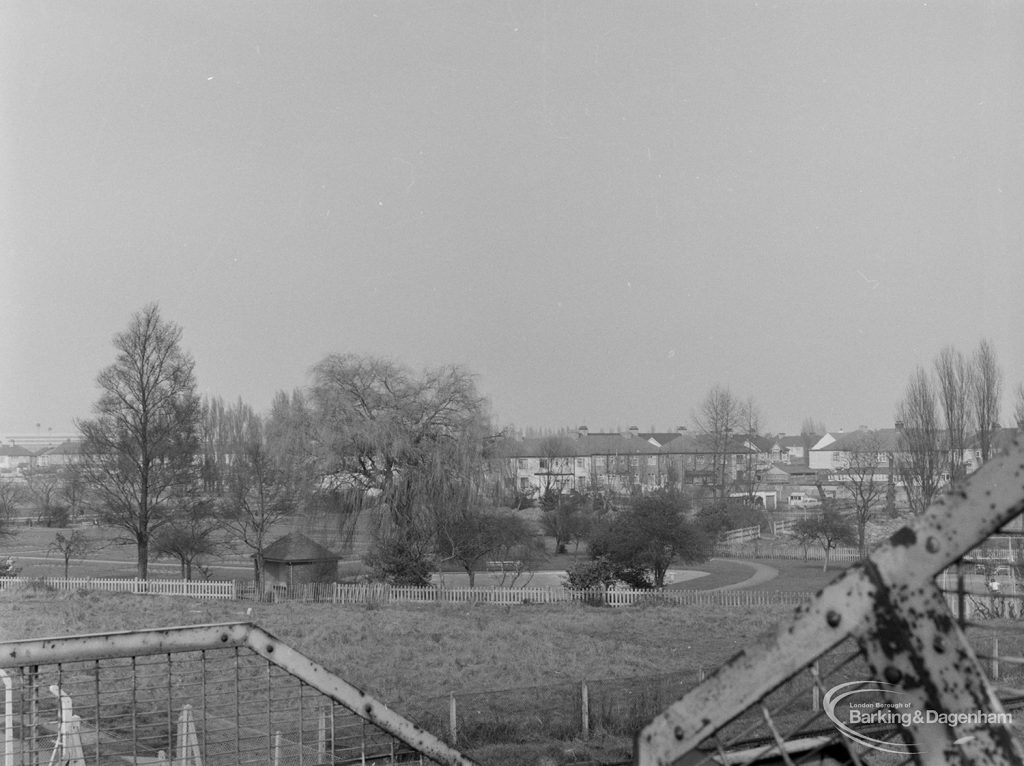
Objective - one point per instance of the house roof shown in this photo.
(661, 438)
(696, 444)
(14, 450)
(68, 447)
(296, 548)
(887, 440)
(683, 442)
(1000, 439)
(796, 441)
(794, 470)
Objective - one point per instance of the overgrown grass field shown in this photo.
(408, 654)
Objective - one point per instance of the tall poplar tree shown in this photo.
(139, 450)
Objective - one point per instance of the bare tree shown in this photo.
(750, 425)
(557, 455)
(988, 387)
(719, 418)
(830, 530)
(74, 545)
(955, 380)
(73, 488)
(139, 450)
(44, 486)
(920, 459)
(811, 430)
(190, 536)
(260, 489)
(864, 473)
(1018, 407)
(12, 495)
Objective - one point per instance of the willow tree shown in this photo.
(401, 440)
(139, 450)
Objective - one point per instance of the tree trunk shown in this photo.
(142, 570)
(472, 576)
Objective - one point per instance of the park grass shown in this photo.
(401, 651)
(413, 656)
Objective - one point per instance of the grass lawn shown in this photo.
(413, 656)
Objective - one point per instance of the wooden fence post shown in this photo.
(995, 658)
(584, 710)
(453, 726)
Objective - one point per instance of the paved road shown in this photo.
(762, 573)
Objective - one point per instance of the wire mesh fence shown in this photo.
(220, 705)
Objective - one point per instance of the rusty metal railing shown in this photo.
(884, 665)
(208, 695)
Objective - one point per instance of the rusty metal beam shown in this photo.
(353, 698)
(128, 643)
(104, 646)
(892, 590)
(912, 641)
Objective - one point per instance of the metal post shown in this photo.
(135, 707)
(584, 710)
(816, 689)
(961, 598)
(96, 676)
(452, 719)
(8, 718)
(170, 705)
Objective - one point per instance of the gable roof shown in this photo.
(887, 440)
(67, 447)
(14, 450)
(796, 441)
(296, 548)
(794, 470)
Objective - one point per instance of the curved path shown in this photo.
(762, 573)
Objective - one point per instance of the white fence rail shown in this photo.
(362, 594)
(193, 588)
(741, 535)
(341, 593)
(767, 550)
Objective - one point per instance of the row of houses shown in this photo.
(20, 454)
(633, 461)
(781, 470)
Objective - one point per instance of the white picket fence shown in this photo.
(773, 550)
(192, 588)
(377, 593)
(338, 593)
(741, 535)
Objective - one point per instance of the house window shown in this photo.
(580, 463)
(543, 464)
(523, 464)
(652, 461)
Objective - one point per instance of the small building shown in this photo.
(295, 560)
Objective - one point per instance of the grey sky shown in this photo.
(603, 209)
